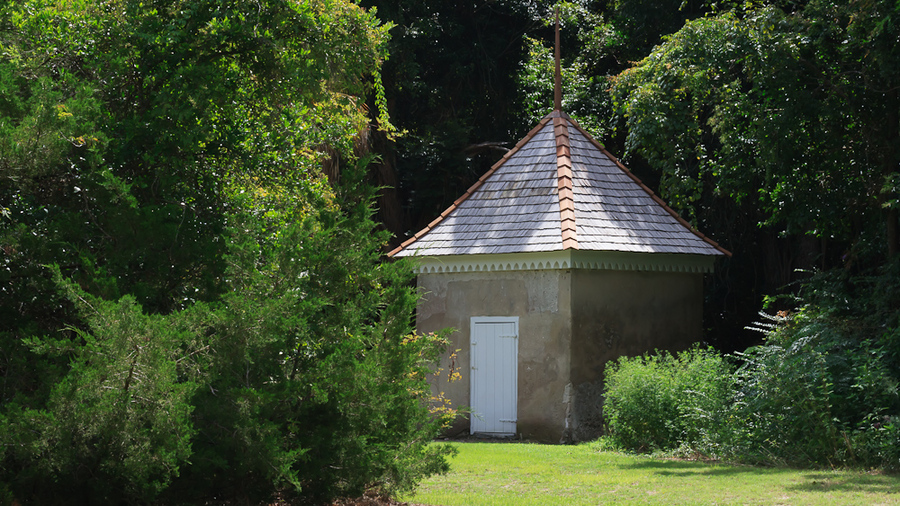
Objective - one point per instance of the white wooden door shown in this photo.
(494, 356)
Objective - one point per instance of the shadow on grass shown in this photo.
(688, 468)
(811, 481)
(870, 483)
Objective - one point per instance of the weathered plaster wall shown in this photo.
(541, 301)
(625, 313)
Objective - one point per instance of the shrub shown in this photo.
(117, 427)
(317, 386)
(822, 389)
(304, 381)
(877, 442)
(783, 406)
(222, 326)
(663, 401)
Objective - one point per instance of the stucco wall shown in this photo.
(571, 323)
(541, 301)
(619, 313)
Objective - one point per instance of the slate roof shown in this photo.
(558, 189)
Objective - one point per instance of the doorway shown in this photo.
(494, 351)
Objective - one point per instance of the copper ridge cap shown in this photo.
(564, 177)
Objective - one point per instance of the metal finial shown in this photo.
(557, 90)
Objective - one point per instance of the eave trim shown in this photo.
(567, 259)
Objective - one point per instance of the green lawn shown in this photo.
(515, 474)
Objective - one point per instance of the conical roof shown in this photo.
(558, 189)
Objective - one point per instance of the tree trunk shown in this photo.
(890, 168)
(893, 232)
(384, 172)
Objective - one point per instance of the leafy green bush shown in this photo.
(877, 442)
(117, 426)
(823, 388)
(316, 385)
(783, 406)
(663, 401)
(305, 380)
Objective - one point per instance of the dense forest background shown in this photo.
(771, 126)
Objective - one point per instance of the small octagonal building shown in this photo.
(555, 262)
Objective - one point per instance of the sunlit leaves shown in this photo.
(771, 107)
(167, 153)
(585, 94)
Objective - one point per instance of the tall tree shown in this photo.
(217, 320)
(774, 128)
(796, 111)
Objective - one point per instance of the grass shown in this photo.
(499, 474)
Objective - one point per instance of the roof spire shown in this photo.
(557, 89)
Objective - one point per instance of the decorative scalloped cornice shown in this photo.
(567, 259)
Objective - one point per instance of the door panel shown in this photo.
(494, 357)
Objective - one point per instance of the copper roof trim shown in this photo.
(564, 184)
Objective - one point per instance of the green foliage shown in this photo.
(662, 401)
(783, 410)
(450, 87)
(640, 25)
(772, 126)
(305, 379)
(752, 102)
(218, 324)
(585, 97)
(822, 390)
(117, 425)
(317, 384)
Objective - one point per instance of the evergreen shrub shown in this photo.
(304, 382)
